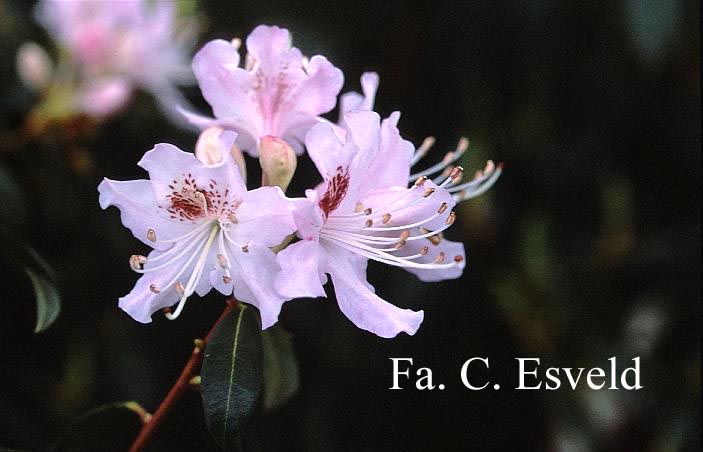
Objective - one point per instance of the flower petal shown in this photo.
(139, 211)
(265, 215)
(226, 88)
(166, 163)
(367, 310)
(300, 273)
(327, 151)
(450, 250)
(253, 275)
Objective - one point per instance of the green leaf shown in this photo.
(39, 273)
(109, 427)
(281, 380)
(231, 376)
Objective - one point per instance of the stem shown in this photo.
(180, 386)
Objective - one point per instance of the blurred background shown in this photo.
(588, 247)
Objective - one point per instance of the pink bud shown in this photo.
(277, 160)
(34, 66)
(208, 150)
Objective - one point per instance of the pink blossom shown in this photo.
(117, 46)
(363, 210)
(206, 231)
(278, 92)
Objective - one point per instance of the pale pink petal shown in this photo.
(138, 210)
(269, 45)
(450, 249)
(308, 215)
(355, 101)
(265, 215)
(227, 89)
(362, 306)
(300, 273)
(327, 151)
(392, 163)
(167, 165)
(253, 274)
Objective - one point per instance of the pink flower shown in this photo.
(206, 229)
(363, 210)
(117, 46)
(278, 92)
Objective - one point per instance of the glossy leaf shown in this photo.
(231, 376)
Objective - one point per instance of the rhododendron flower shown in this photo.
(205, 228)
(363, 210)
(278, 92)
(117, 46)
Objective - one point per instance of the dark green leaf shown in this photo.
(280, 367)
(40, 274)
(107, 428)
(232, 374)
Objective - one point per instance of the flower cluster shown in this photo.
(107, 50)
(207, 230)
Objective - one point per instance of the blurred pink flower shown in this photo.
(278, 92)
(117, 46)
(363, 210)
(206, 229)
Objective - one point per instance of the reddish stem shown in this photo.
(180, 386)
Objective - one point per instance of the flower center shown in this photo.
(189, 202)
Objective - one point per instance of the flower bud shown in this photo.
(208, 149)
(34, 66)
(277, 160)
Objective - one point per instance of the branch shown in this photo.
(183, 382)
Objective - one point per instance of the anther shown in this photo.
(386, 218)
(368, 223)
(458, 258)
(424, 250)
(359, 207)
(245, 248)
(222, 260)
(420, 181)
(237, 43)
(442, 208)
(154, 289)
(428, 192)
(180, 289)
(151, 235)
(456, 173)
(450, 219)
(226, 279)
(232, 218)
(368, 211)
(436, 239)
(463, 145)
(136, 262)
(400, 244)
(440, 258)
(448, 158)
(404, 235)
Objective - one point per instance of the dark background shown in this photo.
(588, 247)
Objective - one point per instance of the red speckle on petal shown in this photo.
(336, 191)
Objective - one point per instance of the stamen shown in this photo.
(386, 218)
(442, 208)
(154, 288)
(180, 289)
(226, 279)
(427, 143)
(359, 207)
(368, 223)
(424, 250)
(428, 192)
(137, 261)
(458, 258)
(222, 260)
(236, 43)
(368, 211)
(232, 218)
(440, 258)
(245, 248)
(151, 235)
(450, 219)
(419, 182)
